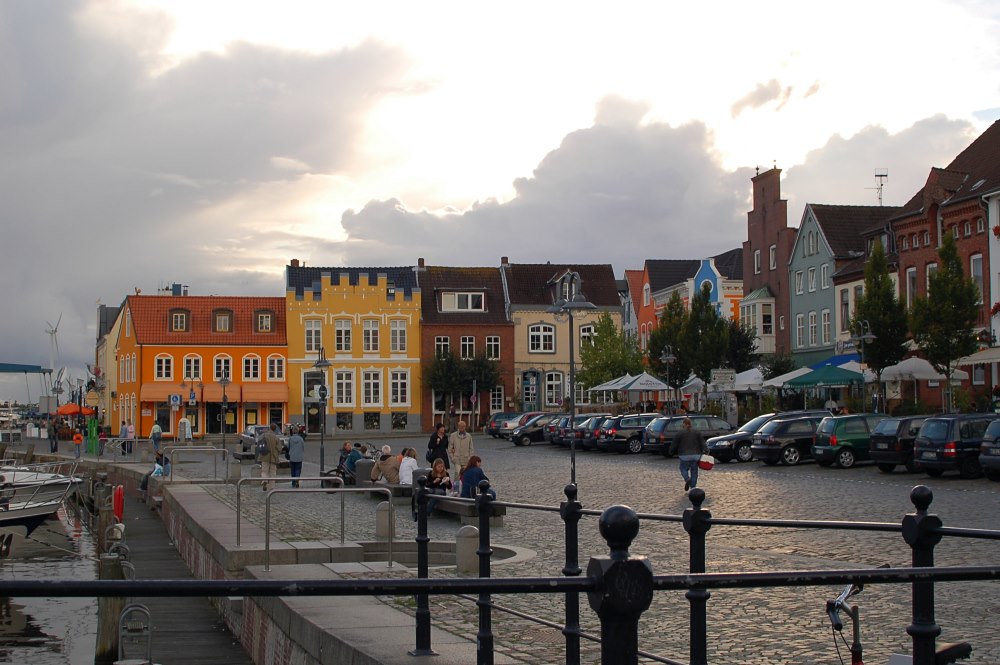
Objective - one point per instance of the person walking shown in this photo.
(460, 447)
(689, 445)
(155, 435)
(437, 447)
(296, 455)
(269, 460)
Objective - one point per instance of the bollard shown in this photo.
(108, 612)
(484, 638)
(919, 532)
(569, 510)
(423, 613)
(363, 472)
(385, 521)
(466, 541)
(624, 587)
(697, 522)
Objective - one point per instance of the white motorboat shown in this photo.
(30, 494)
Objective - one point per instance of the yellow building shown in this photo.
(366, 323)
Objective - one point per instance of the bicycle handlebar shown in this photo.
(833, 611)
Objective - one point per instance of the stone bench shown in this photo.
(468, 513)
(401, 494)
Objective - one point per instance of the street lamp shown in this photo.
(668, 358)
(224, 381)
(576, 302)
(864, 335)
(322, 364)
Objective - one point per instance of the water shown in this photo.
(50, 631)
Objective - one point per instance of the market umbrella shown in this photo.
(73, 409)
(828, 375)
(780, 381)
(644, 382)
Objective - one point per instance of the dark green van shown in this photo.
(844, 440)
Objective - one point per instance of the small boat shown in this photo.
(30, 494)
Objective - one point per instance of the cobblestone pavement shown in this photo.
(787, 626)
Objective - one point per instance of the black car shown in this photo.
(660, 433)
(532, 431)
(989, 451)
(588, 431)
(788, 441)
(496, 422)
(892, 442)
(566, 431)
(624, 433)
(736, 445)
(951, 443)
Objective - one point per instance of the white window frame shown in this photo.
(342, 335)
(798, 282)
(967, 229)
(275, 368)
(825, 326)
(645, 295)
(343, 387)
(911, 286)
(554, 390)
(397, 336)
(493, 347)
(132, 369)
(929, 270)
(927, 238)
(314, 335)
(251, 367)
(980, 225)
(586, 335)
(824, 276)
(496, 399)
(904, 241)
(222, 365)
(399, 387)
(164, 367)
(976, 275)
(812, 329)
(915, 241)
(811, 279)
(800, 331)
(371, 387)
(756, 262)
(369, 336)
(773, 257)
(178, 322)
(463, 301)
(467, 347)
(192, 367)
(265, 322)
(978, 374)
(540, 336)
(223, 322)
(442, 345)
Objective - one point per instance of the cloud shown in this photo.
(761, 95)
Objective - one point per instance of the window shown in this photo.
(275, 368)
(468, 347)
(800, 330)
(824, 276)
(915, 241)
(976, 272)
(580, 396)
(178, 321)
(955, 232)
(371, 387)
(369, 340)
(164, 368)
(131, 369)
(859, 291)
(586, 335)
(927, 238)
(845, 309)
(553, 388)
(766, 319)
(462, 302)
(251, 368)
(397, 336)
(812, 280)
(192, 367)
(541, 339)
(781, 323)
(493, 347)
(825, 322)
(496, 399)
(911, 286)
(645, 295)
(980, 225)
(931, 269)
(399, 388)
(813, 243)
(773, 259)
(343, 388)
(904, 242)
(798, 281)
(342, 335)
(442, 345)
(756, 262)
(314, 337)
(222, 321)
(223, 367)
(264, 321)
(812, 328)
(978, 375)
(967, 229)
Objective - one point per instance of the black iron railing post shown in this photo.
(484, 638)
(919, 532)
(624, 587)
(423, 647)
(570, 512)
(697, 522)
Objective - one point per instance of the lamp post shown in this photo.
(224, 381)
(322, 364)
(864, 335)
(576, 302)
(668, 358)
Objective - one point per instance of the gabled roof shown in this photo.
(301, 278)
(664, 273)
(981, 164)
(730, 264)
(531, 283)
(843, 225)
(763, 293)
(634, 279)
(151, 320)
(940, 184)
(435, 280)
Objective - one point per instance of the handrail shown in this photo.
(325, 490)
(119, 440)
(196, 449)
(239, 495)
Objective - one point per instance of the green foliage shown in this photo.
(452, 376)
(670, 332)
(909, 408)
(775, 364)
(611, 354)
(742, 339)
(705, 338)
(883, 311)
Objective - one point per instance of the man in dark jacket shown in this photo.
(689, 445)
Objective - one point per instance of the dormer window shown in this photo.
(457, 301)
(222, 321)
(179, 320)
(263, 321)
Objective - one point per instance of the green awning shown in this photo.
(827, 375)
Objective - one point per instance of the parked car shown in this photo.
(844, 440)
(788, 441)
(737, 445)
(659, 434)
(892, 442)
(588, 431)
(516, 421)
(553, 425)
(496, 421)
(952, 443)
(533, 431)
(249, 437)
(566, 431)
(989, 451)
(624, 433)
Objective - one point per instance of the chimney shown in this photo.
(420, 262)
(504, 262)
(294, 263)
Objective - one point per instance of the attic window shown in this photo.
(977, 185)
(179, 320)
(222, 321)
(462, 302)
(264, 321)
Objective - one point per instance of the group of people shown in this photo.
(455, 451)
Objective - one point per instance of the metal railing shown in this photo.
(283, 479)
(115, 447)
(212, 450)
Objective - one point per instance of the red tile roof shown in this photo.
(151, 320)
(634, 278)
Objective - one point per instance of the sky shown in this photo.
(208, 143)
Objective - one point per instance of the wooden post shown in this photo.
(108, 613)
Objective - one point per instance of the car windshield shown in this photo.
(887, 426)
(608, 423)
(935, 429)
(755, 424)
(657, 425)
(993, 431)
(770, 426)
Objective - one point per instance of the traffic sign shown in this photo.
(723, 376)
(175, 400)
(473, 399)
(322, 392)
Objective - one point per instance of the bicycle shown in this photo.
(946, 653)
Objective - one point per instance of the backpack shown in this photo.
(262, 449)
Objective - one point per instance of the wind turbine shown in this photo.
(53, 332)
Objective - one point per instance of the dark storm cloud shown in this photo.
(762, 94)
(106, 167)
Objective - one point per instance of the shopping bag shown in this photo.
(706, 462)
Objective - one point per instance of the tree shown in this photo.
(775, 364)
(610, 354)
(942, 322)
(705, 338)
(884, 314)
(449, 375)
(484, 371)
(670, 332)
(740, 355)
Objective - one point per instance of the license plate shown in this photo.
(881, 446)
(993, 451)
(929, 454)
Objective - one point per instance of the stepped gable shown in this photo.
(151, 314)
(437, 279)
(302, 278)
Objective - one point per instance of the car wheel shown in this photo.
(886, 468)
(743, 452)
(770, 462)
(525, 441)
(634, 446)
(934, 473)
(516, 442)
(970, 468)
(993, 474)
(845, 458)
(790, 455)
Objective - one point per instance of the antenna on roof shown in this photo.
(881, 175)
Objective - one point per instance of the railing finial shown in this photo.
(619, 526)
(921, 497)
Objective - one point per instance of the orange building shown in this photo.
(198, 357)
